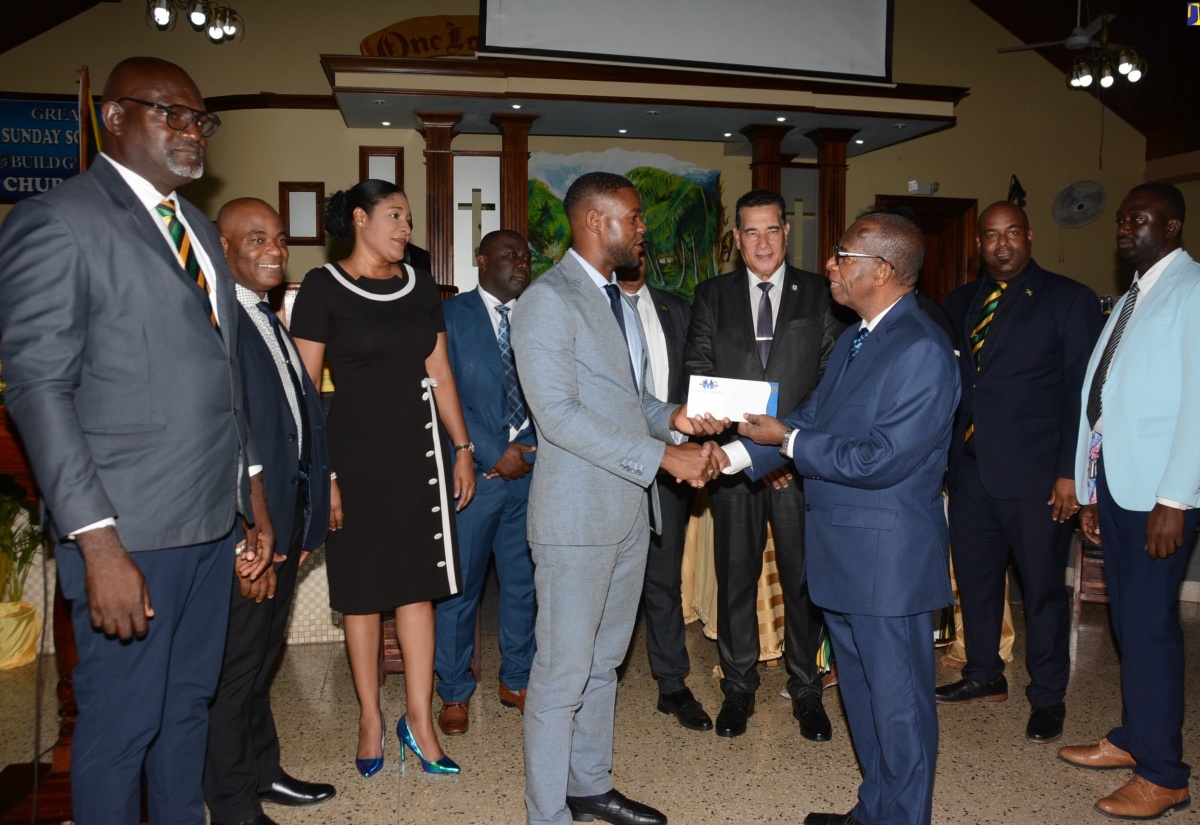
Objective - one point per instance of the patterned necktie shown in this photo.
(764, 330)
(1110, 349)
(979, 334)
(293, 376)
(614, 302)
(183, 248)
(512, 390)
(856, 344)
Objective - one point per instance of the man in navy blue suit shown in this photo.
(481, 357)
(871, 444)
(287, 423)
(1027, 336)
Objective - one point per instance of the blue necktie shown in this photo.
(512, 390)
(614, 301)
(856, 345)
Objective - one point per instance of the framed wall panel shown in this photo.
(381, 163)
(301, 206)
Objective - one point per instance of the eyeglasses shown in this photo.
(179, 117)
(839, 254)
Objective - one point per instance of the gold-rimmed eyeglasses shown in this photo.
(179, 117)
(839, 254)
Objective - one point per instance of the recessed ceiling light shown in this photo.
(387, 123)
(622, 131)
(652, 112)
(729, 134)
(516, 105)
(781, 119)
(899, 125)
(860, 141)
(379, 102)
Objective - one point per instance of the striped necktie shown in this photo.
(1094, 408)
(979, 335)
(856, 344)
(183, 248)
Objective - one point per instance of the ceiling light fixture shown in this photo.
(219, 22)
(516, 105)
(622, 131)
(729, 134)
(780, 119)
(860, 141)
(1100, 61)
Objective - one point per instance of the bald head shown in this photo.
(137, 134)
(255, 243)
(1005, 240)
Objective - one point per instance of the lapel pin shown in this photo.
(1029, 292)
(794, 287)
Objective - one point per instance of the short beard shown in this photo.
(183, 170)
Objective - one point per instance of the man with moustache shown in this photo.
(1028, 335)
(665, 318)
(1137, 470)
(287, 423)
(119, 328)
(479, 337)
(765, 322)
(601, 435)
(871, 444)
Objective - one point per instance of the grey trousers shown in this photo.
(587, 602)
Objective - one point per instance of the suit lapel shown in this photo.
(739, 301)
(598, 313)
(787, 305)
(1019, 308)
(479, 328)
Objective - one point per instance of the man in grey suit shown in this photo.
(119, 329)
(584, 370)
(765, 322)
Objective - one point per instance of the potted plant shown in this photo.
(20, 540)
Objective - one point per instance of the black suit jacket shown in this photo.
(721, 338)
(273, 429)
(1025, 395)
(675, 315)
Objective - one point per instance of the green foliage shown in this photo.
(549, 231)
(20, 540)
(683, 230)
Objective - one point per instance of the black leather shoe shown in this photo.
(830, 819)
(288, 790)
(261, 819)
(1046, 724)
(735, 710)
(613, 807)
(965, 691)
(814, 723)
(687, 710)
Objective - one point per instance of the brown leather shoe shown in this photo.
(513, 698)
(453, 719)
(1103, 756)
(1140, 798)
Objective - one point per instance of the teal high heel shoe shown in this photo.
(443, 765)
(370, 767)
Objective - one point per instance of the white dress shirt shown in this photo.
(656, 341)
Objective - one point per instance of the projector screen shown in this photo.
(835, 39)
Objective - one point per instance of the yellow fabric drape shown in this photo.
(20, 628)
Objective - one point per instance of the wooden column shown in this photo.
(438, 129)
(514, 170)
(831, 185)
(766, 159)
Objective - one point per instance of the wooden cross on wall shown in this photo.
(477, 207)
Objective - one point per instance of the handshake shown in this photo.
(695, 464)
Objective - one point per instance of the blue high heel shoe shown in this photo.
(443, 765)
(370, 767)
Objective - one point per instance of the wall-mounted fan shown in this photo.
(1079, 203)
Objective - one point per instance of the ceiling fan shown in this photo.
(1080, 37)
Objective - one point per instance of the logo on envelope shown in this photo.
(708, 384)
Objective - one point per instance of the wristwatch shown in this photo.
(787, 437)
(469, 447)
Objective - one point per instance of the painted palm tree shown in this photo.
(683, 227)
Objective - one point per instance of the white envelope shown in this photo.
(731, 397)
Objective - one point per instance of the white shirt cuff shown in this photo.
(104, 522)
(255, 469)
(739, 459)
(1166, 502)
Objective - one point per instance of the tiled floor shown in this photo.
(987, 773)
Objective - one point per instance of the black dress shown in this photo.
(392, 460)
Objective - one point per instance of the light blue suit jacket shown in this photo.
(1151, 398)
(872, 449)
(600, 441)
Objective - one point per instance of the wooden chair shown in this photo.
(1089, 575)
(391, 659)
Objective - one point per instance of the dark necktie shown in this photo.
(297, 386)
(856, 344)
(1110, 349)
(979, 334)
(764, 331)
(183, 248)
(512, 389)
(614, 301)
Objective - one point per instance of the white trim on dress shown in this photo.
(404, 290)
(447, 542)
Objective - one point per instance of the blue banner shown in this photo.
(39, 146)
